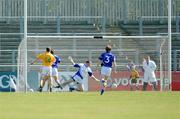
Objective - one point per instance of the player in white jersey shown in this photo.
(83, 72)
(149, 67)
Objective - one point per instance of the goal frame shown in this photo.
(164, 38)
(168, 36)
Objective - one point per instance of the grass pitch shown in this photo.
(90, 105)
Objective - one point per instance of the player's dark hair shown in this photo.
(52, 51)
(87, 61)
(48, 49)
(108, 48)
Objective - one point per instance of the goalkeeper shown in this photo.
(133, 78)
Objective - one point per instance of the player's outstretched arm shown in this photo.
(34, 61)
(95, 78)
(71, 60)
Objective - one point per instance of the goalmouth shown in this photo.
(163, 48)
(82, 47)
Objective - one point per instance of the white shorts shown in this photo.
(106, 71)
(46, 71)
(77, 79)
(55, 72)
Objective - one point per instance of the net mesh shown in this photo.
(164, 68)
(21, 67)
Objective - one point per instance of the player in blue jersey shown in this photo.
(83, 72)
(130, 65)
(107, 61)
(55, 68)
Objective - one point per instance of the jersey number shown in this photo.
(48, 59)
(107, 59)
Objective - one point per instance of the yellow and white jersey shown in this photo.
(134, 74)
(47, 59)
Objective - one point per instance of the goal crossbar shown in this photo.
(101, 37)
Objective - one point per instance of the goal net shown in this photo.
(85, 47)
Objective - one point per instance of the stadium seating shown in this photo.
(10, 42)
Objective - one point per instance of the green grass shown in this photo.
(90, 105)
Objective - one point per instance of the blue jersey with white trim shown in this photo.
(57, 61)
(83, 70)
(130, 66)
(107, 58)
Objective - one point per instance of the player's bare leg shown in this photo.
(103, 83)
(65, 83)
(42, 83)
(57, 81)
(49, 84)
(79, 88)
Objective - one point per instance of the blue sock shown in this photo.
(102, 91)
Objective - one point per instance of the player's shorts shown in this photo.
(133, 81)
(55, 72)
(77, 79)
(46, 71)
(106, 71)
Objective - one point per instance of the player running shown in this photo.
(47, 60)
(55, 68)
(107, 61)
(83, 72)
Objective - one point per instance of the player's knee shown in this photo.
(79, 89)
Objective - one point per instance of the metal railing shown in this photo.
(112, 10)
(176, 60)
(78, 55)
(96, 22)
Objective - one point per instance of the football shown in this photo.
(114, 85)
(31, 90)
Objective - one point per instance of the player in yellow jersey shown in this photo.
(133, 77)
(47, 60)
